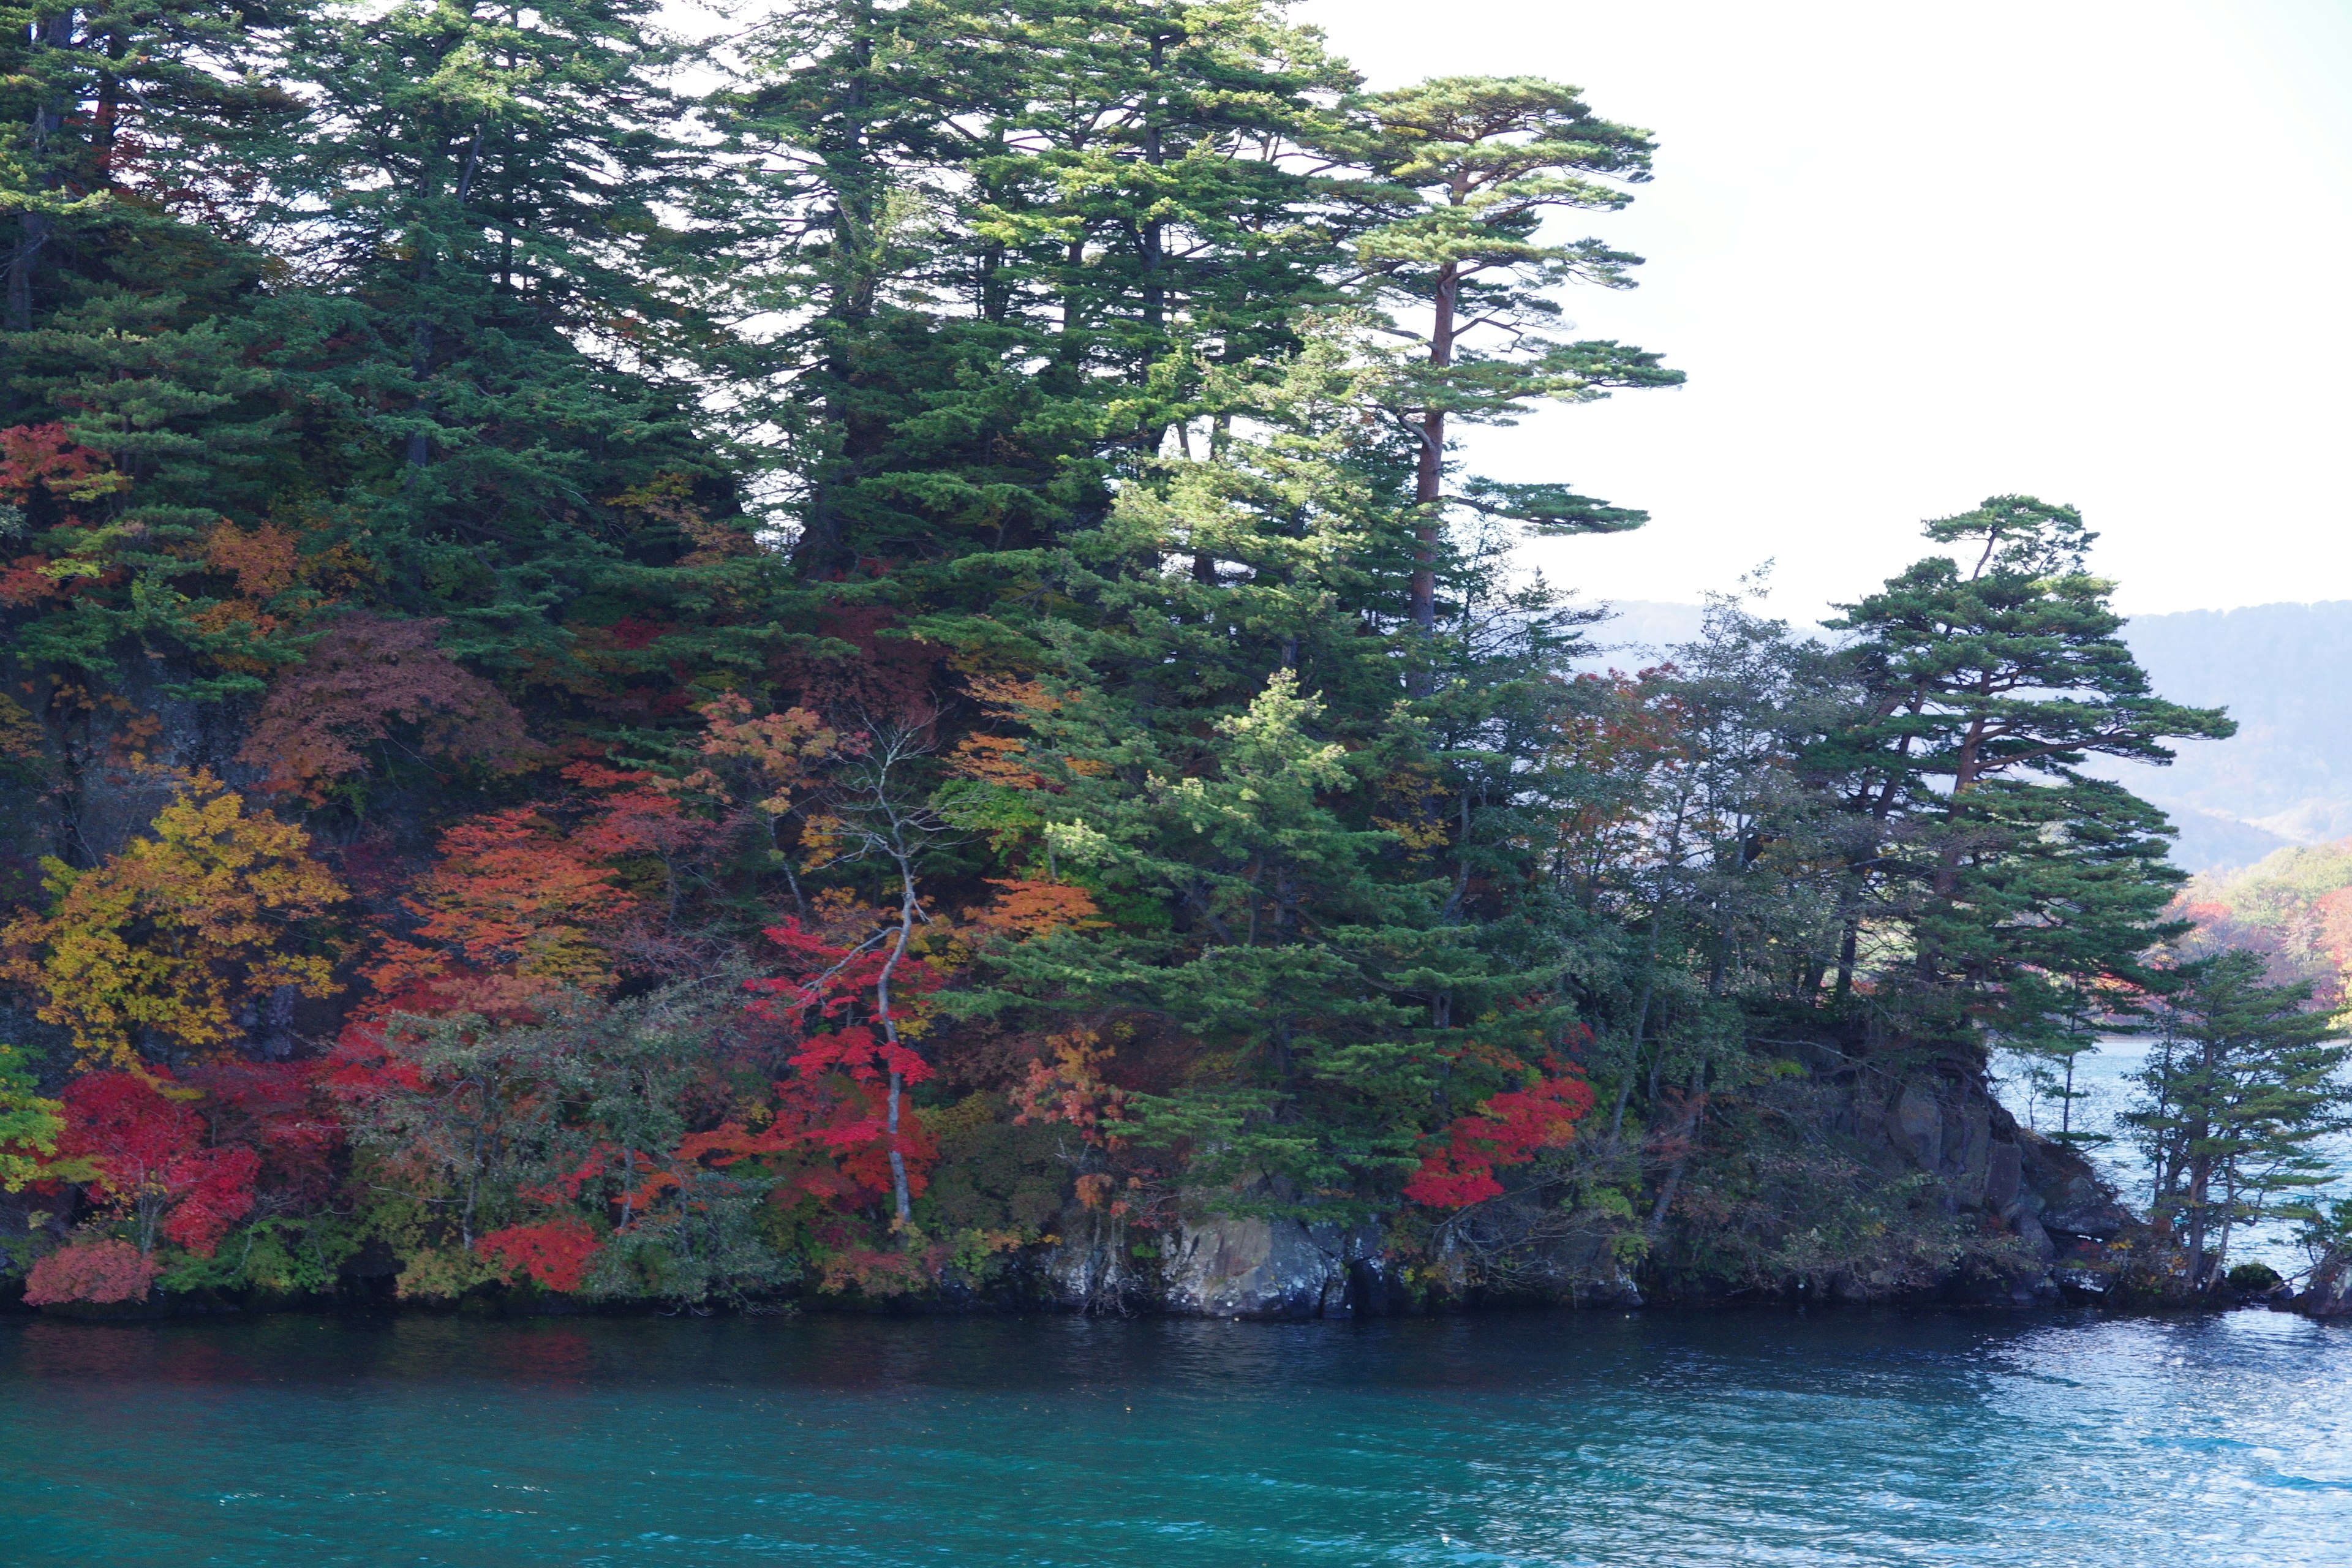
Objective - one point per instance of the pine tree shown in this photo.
(1989, 874)
(2243, 1084)
(137, 415)
(1007, 243)
(1224, 768)
(501, 342)
(1490, 159)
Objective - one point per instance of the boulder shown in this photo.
(1254, 1268)
(2329, 1294)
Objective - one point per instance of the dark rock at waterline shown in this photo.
(2329, 1293)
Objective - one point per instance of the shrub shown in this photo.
(2254, 1278)
(104, 1272)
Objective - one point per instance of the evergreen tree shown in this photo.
(499, 349)
(2243, 1083)
(1005, 246)
(136, 416)
(1490, 159)
(1226, 771)
(1987, 875)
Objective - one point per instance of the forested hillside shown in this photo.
(884, 678)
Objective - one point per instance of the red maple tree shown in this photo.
(135, 1140)
(1507, 1129)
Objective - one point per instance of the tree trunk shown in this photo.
(1430, 471)
(34, 230)
(901, 1205)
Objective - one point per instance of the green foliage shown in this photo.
(1991, 876)
(2243, 1084)
(945, 510)
(29, 1124)
(282, 1257)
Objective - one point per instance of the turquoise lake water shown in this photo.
(1656, 1440)
(2104, 1080)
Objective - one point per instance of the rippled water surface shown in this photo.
(1664, 1438)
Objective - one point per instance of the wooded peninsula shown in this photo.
(856, 663)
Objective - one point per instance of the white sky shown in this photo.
(1913, 255)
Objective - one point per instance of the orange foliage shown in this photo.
(556, 1254)
(1011, 697)
(1037, 909)
(365, 676)
(1073, 1090)
(994, 758)
(265, 562)
(510, 899)
(519, 908)
(779, 746)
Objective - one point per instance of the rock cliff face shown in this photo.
(1947, 1125)
(1237, 1268)
(1262, 1269)
(1990, 1173)
(115, 763)
(2329, 1294)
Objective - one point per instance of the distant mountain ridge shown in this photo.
(2286, 776)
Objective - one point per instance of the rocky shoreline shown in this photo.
(2074, 1242)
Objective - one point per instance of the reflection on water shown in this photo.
(1747, 1436)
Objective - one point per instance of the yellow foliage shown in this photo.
(20, 737)
(178, 933)
(780, 746)
(443, 1273)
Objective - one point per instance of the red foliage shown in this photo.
(555, 1253)
(836, 1100)
(44, 457)
(889, 674)
(145, 1149)
(274, 1109)
(363, 1065)
(43, 460)
(830, 978)
(23, 582)
(1508, 1129)
(365, 676)
(105, 1271)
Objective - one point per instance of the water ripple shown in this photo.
(1544, 1441)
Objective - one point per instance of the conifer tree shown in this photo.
(2243, 1084)
(501, 346)
(1005, 243)
(1227, 773)
(1991, 873)
(1490, 160)
(137, 413)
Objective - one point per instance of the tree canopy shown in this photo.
(831, 658)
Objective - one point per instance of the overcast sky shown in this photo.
(1915, 255)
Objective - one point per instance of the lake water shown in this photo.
(1654, 1439)
(2105, 1085)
